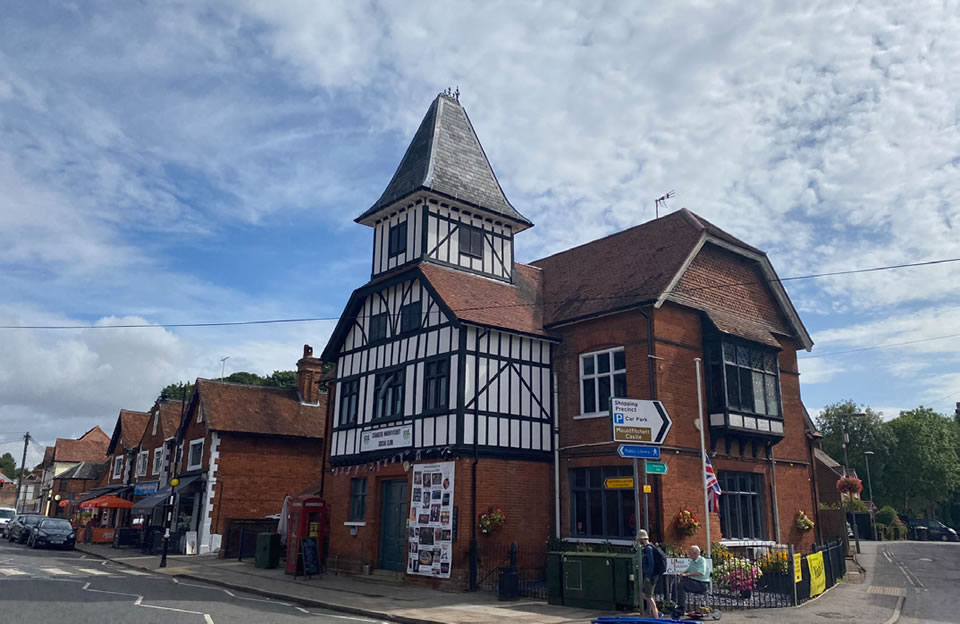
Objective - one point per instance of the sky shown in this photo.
(203, 161)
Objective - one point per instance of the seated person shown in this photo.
(695, 579)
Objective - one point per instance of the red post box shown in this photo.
(308, 518)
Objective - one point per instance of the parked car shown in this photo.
(19, 528)
(53, 532)
(6, 515)
(937, 530)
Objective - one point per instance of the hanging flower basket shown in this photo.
(849, 485)
(686, 523)
(492, 520)
(803, 522)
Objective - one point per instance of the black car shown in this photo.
(938, 531)
(19, 529)
(53, 532)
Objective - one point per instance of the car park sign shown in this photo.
(636, 420)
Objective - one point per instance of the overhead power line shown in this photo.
(632, 295)
(882, 346)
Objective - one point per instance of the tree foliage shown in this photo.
(8, 465)
(866, 433)
(277, 379)
(922, 459)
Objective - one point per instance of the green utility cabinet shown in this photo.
(268, 550)
(588, 580)
(622, 583)
(555, 578)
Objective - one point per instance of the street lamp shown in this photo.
(846, 470)
(866, 457)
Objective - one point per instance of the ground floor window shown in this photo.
(599, 512)
(741, 506)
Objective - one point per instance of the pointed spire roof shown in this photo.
(445, 156)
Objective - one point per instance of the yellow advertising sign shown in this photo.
(818, 576)
(797, 571)
(623, 483)
(648, 489)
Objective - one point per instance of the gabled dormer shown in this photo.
(444, 204)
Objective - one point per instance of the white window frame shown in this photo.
(193, 443)
(143, 459)
(156, 420)
(596, 386)
(117, 466)
(157, 460)
(199, 414)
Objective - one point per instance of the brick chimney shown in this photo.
(309, 371)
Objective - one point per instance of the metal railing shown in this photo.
(525, 569)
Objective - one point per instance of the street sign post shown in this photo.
(635, 420)
(621, 483)
(638, 451)
(655, 467)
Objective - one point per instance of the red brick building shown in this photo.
(633, 311)
(456, 359)
(91, 447)
(240, 450)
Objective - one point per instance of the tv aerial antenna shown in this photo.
(662, 201)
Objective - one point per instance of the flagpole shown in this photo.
(703, 454)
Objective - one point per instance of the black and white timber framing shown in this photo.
(499, 385)
(443, 206)
(432, 229)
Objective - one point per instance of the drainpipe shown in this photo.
(556, 460)
(776, 507)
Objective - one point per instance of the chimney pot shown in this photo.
(307, 351)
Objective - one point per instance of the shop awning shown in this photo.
(63, 503)
(147, 504)
(107, 502)
(98, 492)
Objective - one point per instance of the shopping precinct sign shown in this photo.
(636, 420)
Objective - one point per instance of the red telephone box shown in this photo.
(307, 518)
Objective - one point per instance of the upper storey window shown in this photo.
(471, 241)
(603, 374)
(397, 243)
(378, 327)
(743, 378)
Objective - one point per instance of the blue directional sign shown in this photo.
(638, 451)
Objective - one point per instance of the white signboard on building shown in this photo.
(636, 420)
(386, 438)
(430, 531)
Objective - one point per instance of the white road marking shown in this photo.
(57, 571)
(302, 610)
(12, 572)
(133, 572)
(207, 618)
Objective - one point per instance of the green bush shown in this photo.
(887, 515)
(855, 504)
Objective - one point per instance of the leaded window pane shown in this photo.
(743, 356)
(773, 405)
(733, 386)
(769, 362)
(758, 393)
(746, 389)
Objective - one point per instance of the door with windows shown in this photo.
(394, 501)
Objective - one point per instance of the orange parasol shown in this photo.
(107, 502)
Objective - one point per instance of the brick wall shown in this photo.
(520, 488)
(254, 473)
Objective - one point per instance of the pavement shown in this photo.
(887, 589)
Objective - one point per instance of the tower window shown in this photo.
(471, 241)
(397, 243)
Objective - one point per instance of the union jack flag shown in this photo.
(713, 485)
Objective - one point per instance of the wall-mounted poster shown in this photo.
(431, 531)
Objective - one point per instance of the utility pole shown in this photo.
(23, 468)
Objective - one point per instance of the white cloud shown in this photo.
(827, 135)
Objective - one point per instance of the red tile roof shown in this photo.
(619, 271)
(91, 447)
(169, 417)
(259, 409)
(129, 430)
(474, 299)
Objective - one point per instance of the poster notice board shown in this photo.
(311, 556)
(430, 531)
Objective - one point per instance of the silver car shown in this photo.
(6, 515)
